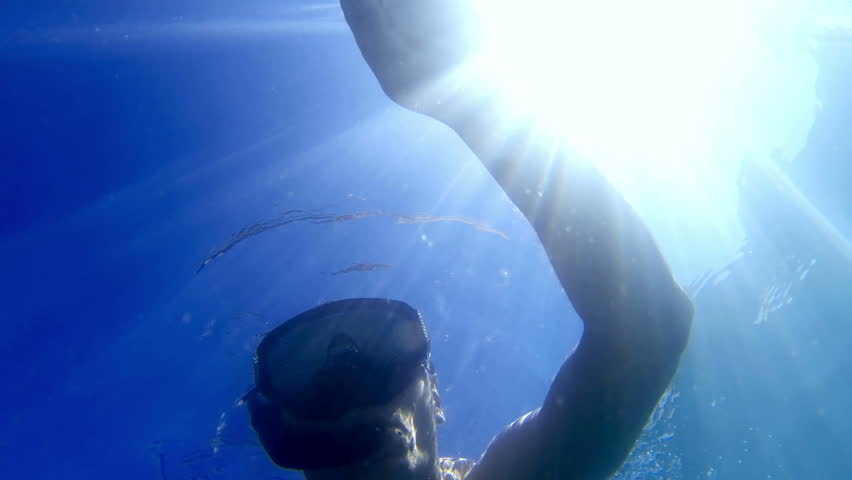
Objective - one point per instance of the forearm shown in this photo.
(636, 317)
(601, 251)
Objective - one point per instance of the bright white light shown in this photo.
(621, 77)
(668, 97)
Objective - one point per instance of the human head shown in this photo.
(346, 390)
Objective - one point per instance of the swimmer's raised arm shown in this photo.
(636, 317)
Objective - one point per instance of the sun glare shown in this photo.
(667, 97)
(620, 77)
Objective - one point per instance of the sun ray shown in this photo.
(667, 97)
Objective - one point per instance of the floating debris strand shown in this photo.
(319, 217)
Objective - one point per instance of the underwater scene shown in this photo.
(182, 177)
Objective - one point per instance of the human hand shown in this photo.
(419, 50)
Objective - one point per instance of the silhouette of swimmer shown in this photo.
(346, 390)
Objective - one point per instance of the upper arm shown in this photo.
(605, 392)
(596, 407)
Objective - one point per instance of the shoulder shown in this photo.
(455, 468)
(521, 450)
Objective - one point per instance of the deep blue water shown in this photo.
(133, 145)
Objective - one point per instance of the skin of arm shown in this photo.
(636, 317)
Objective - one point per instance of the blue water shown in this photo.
(137, 137)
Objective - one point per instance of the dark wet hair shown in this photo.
(339, 357)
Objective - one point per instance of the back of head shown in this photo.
(318, 371)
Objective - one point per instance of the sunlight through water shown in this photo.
(648, 74)
(668, 97)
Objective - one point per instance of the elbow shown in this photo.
(660, 344)
(678, 321)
